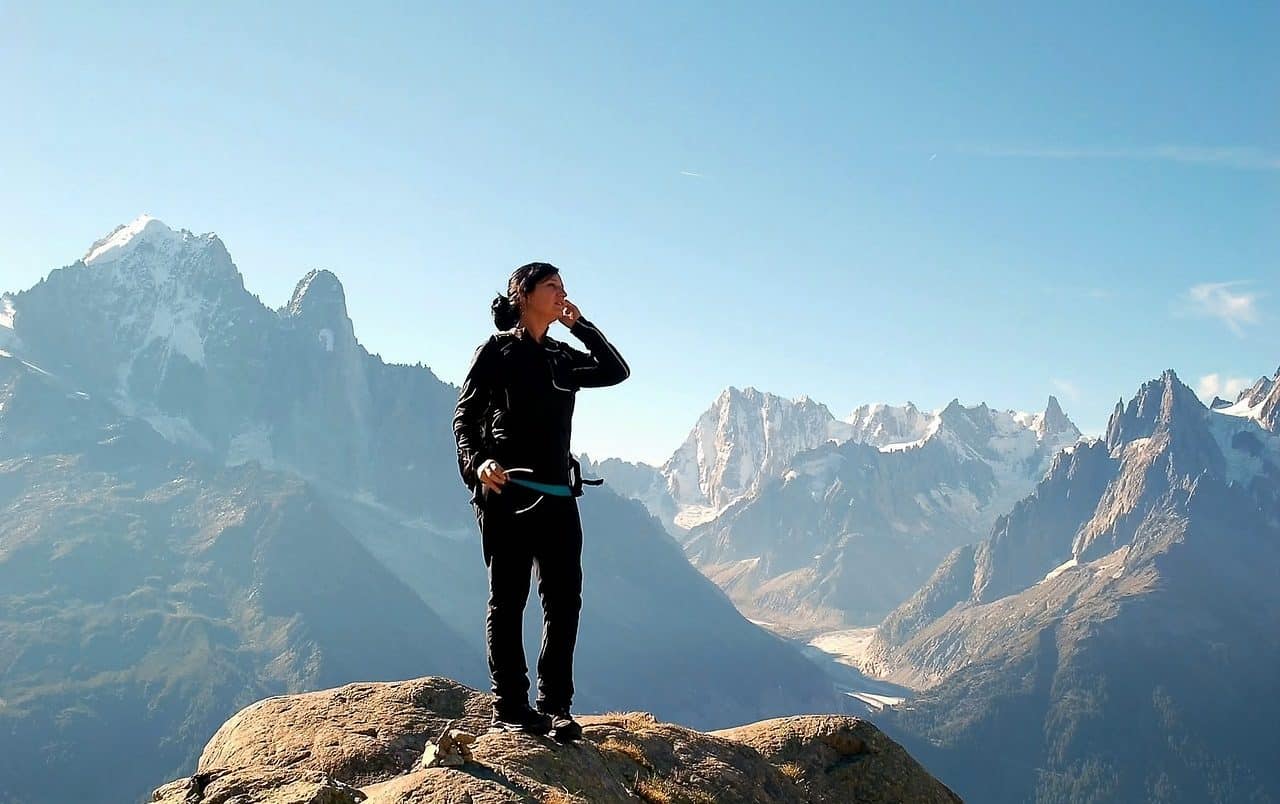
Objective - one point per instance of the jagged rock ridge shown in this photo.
(1119, 630)
(850, 529)
(158, 322)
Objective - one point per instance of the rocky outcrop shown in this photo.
(364, 742)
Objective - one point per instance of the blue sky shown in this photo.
(860, 203)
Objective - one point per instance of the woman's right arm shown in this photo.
(473, 406)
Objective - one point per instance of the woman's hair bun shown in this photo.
(505, 313)
(505, 309)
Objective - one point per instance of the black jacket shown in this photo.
(516, 403)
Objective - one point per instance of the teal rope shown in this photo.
(545, 488)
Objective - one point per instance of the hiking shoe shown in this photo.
(521, 721)
(563, 727)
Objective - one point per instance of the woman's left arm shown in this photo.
(603, 366)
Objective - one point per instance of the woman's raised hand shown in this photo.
(492, 475)
(570, 314)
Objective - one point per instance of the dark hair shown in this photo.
(506, 309)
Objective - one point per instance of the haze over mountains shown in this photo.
(813, 523)
(1107, 626)
(207, 501)
(204, 501)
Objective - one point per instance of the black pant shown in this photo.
(548, 538)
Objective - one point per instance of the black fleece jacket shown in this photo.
(516, 403)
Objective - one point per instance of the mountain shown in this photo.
(882, 425)
(1260, 402)
(849, 530)
(158, 322)
(364, 742)
(204, 501)
(1117, 635)
(743, 439)
(636, 481)
(147, 594)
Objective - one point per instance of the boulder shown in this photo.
(426, 740)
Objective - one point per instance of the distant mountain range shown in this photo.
(813, 523)
(1102, 622)
(204, 501)
(1117, 636)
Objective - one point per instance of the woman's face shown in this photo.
(546, 300)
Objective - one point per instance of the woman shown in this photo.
(512, 425)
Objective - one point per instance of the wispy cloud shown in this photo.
(1211, 385)
(1230, 157)
(690, 173)
(1067, 388)
(1218, 300)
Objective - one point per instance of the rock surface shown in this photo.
(363, 743)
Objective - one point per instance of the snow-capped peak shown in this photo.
(125, 238)
(1261, 402)
(745, 436)
(147, 254)
(1053, 421)
(891, 426)
(8, 340)
(1257, 392)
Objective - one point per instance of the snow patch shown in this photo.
(6, 311)
(897, 427)
(177, 326)
(877, 703)
(1242, 409)
(1061, 568)
(122, 241)
(326, 339)
(1234, 429)
(847, 646)
(690, 516)
(34, 367)
(1028, 421)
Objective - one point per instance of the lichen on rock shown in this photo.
(386, 743)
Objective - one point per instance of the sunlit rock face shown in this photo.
(849, 529)
(376, 734)
(1118, 632)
